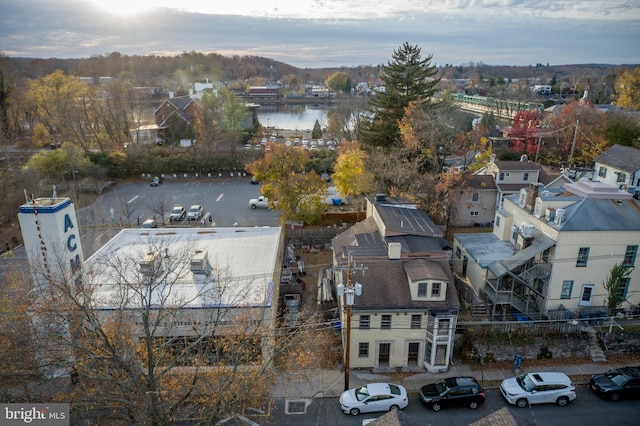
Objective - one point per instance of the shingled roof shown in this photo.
(621, 157)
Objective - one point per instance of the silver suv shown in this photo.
(195, 212)
(538, 388)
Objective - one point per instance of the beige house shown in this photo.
(619, 165)
(551, 251)
(406, 314)
(485, 190)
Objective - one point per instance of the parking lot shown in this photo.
(130, 204)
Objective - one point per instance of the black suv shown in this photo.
(617, 383)
(453, 391)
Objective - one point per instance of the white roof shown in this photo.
(243, 263)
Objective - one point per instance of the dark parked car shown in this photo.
(617, 383)
(254, 181)
(453, 391)
(156, 181)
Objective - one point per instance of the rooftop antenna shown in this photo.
(26, 197)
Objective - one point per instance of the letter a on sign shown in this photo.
(67, 223)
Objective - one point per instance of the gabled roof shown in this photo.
(621, 157)
(506, 166)
(595, 214)
(481, 182)
(397, 418)
(552, 177)
(385, 285)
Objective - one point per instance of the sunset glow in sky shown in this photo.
(329, 33)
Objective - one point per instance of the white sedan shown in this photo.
(373, 397)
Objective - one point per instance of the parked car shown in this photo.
(538, 388)
(617, 383)
(156, 181)
(177, 214)
(259, 203)
(195, 212)
(254, 181)
(373, 397)
(452, 391)
(149, 223)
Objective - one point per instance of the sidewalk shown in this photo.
(330, 383)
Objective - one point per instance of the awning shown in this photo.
(540, 243)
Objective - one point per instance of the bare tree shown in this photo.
(141, 350)
(160, 203)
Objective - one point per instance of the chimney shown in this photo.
(394, 250)
(532, 194)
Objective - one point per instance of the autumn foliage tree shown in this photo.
(524, 131)
(351, 176)
(297, 194)
(627, 87)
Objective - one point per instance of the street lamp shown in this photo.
(350, 291)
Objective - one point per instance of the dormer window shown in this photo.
(435, 290)
(422, 289)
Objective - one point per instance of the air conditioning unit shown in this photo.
(150, 263)
(200, 263)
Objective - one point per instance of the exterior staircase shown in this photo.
(595, 351)
(479, 310)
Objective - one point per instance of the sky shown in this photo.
(329, 33)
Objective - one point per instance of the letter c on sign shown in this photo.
(70, 244)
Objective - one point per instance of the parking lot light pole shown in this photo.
(349, 291)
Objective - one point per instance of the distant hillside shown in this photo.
(158, 70)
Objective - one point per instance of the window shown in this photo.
(458, 252)
(365, 321)
(514, 233)
(583, 256)
(363, 349)
(545, 255)
(474, 197)
(422, 289)
(498, 221)
(630, 256)
(602, 171)
(526, 176)
(624, 287)
(443, 327)
(385, 322)
(567, 286)
(501, 176)
(435, 290)
(474, 213)
(622, 177)
(416, 321)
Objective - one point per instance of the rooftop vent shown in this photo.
(150, 263)
(200, 263)
(381, 197)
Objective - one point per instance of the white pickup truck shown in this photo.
(259, 203)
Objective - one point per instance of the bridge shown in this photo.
(498, 107)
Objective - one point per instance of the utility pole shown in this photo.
(573, 145)
(349, 291)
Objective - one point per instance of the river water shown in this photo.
(294, 116)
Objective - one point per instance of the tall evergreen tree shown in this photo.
(406, 78)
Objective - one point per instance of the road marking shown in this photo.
(219, 197)
(133, 199)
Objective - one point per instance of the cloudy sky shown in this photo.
(329, 33)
